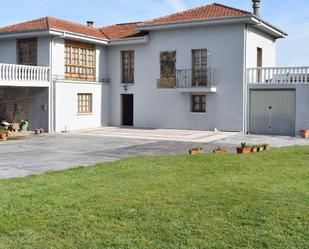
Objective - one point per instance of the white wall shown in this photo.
(258, 39)
(43, 47)
(58, 57)
(168, 108)
(101, 62)
(67, 117)
(8, 51)
(302, 104)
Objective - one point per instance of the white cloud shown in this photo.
(177, 5)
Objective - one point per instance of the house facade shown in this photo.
(212, 67)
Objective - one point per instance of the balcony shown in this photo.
(278, 75)
(195, 81)
(20, 75)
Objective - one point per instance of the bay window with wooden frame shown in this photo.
(127, 58)
(27, 51)
(79, 60)
(84, 103)
(199, 67)
(198, 103)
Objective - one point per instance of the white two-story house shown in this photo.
(212, 67)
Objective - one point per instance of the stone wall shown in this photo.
(14, 103)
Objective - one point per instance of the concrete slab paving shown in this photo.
(63, 151)
(192, 136)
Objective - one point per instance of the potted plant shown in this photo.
(304, 133)
(244, 149)
(24, 125)
(219, 150)
(266, 146)
(260, 148)
(196, 151)
(3, 134)
(254, 148)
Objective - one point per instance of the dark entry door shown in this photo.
(127, 109)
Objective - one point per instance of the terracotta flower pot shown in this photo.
(254, 150)
(243, 150)
(220, 152)
(260, 149)
(3, 136)
(195, 152)
(304, 133)
(266, 147)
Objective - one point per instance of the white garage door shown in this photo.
(272, 112)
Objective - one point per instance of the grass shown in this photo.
(208, 201)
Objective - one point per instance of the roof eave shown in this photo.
(53, 32)
(251, 19)
(268, 28)
(129, 41)
(24, 33)
(81, 37)
(190, 23)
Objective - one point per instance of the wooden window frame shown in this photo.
(84, 103)
(259, 59)
(259, 63)
(201, 101)
(127, 72)
(32, 54)
(80, 60)
(202, 79)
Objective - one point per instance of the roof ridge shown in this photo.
(71, 22)
(227, 6)
(120, 24)
(198, 8)
(100, 29)
(47, 22)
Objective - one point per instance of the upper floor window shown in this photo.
(198, 103)
(127, 66)
(259, 56)
(79, 60)
(27, 51)
(199, 67)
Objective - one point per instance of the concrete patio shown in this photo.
(62, 151)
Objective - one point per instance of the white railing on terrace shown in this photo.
(278, 75)
(14, 72)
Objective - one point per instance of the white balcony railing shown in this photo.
(278, 75)
(13, 72)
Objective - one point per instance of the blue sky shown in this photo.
(290, 15)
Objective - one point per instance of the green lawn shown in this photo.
(208, 201)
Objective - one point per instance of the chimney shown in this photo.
(90, 23)
(256, 7)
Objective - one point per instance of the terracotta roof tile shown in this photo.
(122, 31)
(46, 23)
(38, 24)
(205, 12)
(126, 30)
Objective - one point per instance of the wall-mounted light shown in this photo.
(125, 88)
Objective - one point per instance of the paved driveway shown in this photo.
(62, 151)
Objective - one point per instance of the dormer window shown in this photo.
(27, 51)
